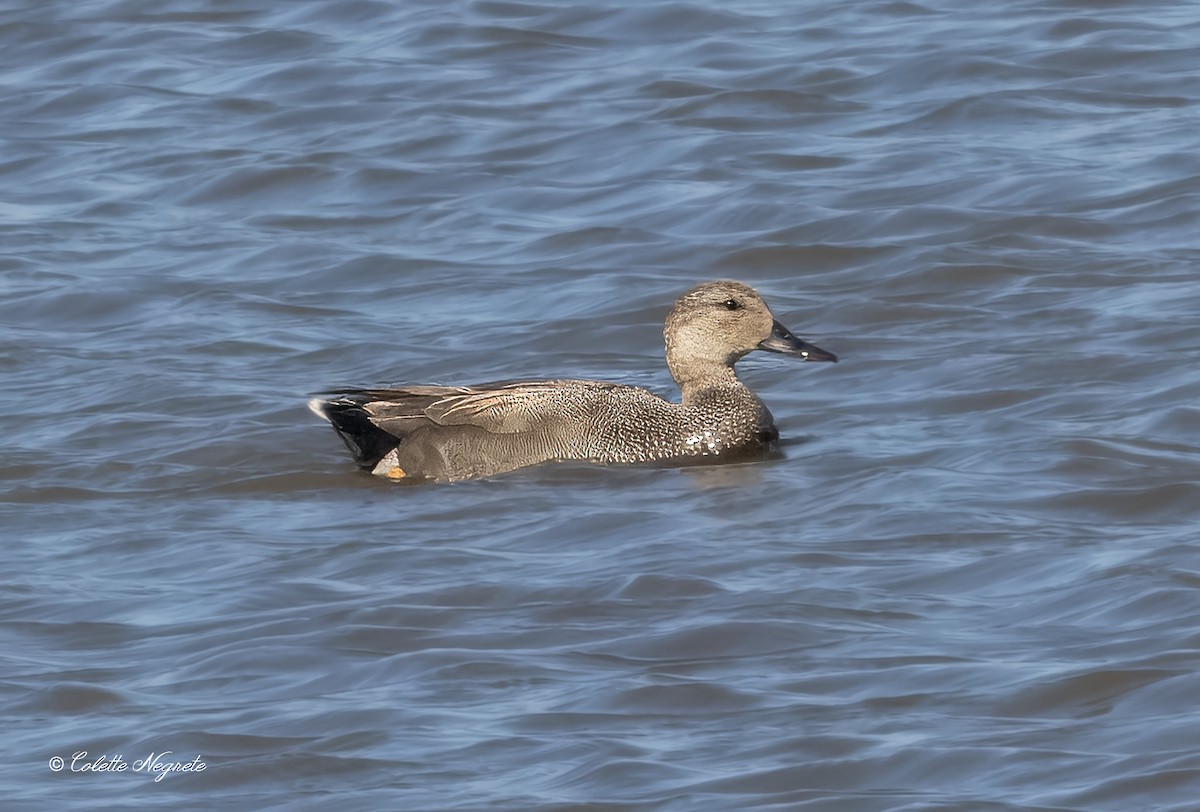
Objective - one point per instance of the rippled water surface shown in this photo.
(971, 582)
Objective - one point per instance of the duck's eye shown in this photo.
(732, 304)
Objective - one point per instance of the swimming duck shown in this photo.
(449, 433)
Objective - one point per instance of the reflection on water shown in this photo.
(735, 475)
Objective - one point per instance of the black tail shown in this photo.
(366, 441)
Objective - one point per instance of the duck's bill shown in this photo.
(782, 340)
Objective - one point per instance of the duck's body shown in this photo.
(452, 433)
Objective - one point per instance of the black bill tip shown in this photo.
(781, 340)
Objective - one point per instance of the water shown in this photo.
(970, 584)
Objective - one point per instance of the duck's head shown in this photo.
(716, 323)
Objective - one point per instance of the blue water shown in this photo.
(970, 582)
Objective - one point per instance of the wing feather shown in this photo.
(516, 407)
(505, 407)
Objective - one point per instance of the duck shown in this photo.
(453, 433)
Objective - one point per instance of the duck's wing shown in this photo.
(505, 407)
(512, 407)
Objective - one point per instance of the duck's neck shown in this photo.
(704, 380)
